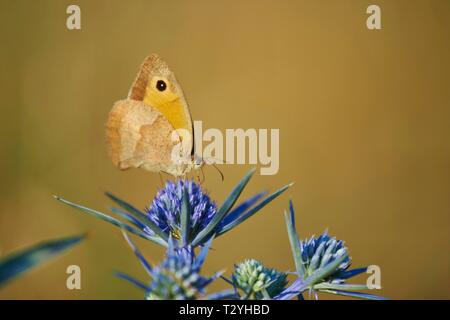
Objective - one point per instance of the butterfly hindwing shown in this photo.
(139, 136)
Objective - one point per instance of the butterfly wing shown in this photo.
(139, 136)
(156, 86)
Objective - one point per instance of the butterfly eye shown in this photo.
(161, 85)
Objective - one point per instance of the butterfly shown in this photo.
(152, 128)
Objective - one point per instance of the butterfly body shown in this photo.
(152, 128)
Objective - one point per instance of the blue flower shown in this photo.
(321, 266)
(184, 211)
(319, 252)
(165, 210)
(178, 276)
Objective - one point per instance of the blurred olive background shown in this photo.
(364, 121)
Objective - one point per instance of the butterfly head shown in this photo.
(197, 161)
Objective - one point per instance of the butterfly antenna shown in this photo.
(218, 170)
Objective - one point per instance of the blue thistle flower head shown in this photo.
(165, 210)
(319, 252)
(256, 281)
(321, 265)
(178, 276)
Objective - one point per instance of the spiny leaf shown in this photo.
(138, 253)
(240, 209)
(139, 215)
(132, 280)
(252, 211)
(228, 203)
(294, 241)
(113, 221)
(350, 273)
(185, 217)
(200, 259)
(17, 263)
(128, 217)
(296, 288)
(338, 286)
(360, 295)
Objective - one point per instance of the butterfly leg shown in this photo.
(161, 179)
(203, 175)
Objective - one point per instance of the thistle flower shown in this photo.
(184, 211)
(257, 281)
(178, 276)
(166, 208)
(319, 252)
(321, 266)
